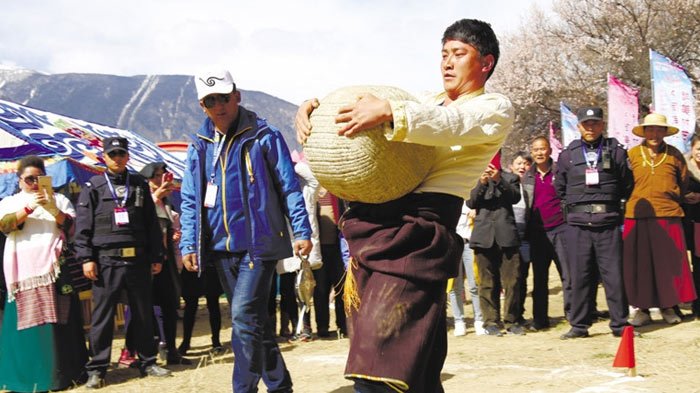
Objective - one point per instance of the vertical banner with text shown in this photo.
(569, 125)
(672, 95)
(623, 112)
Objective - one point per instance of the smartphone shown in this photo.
(496, 160)
(45, 185)
(167, 177)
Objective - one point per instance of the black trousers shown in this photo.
(193, 288)
(499, 268)
(111, 280)
(330, 276)
(165, 295)
(288, 303)
(591, 250)
(545, 247)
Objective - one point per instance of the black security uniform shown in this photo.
(124, 254)
(594, 214)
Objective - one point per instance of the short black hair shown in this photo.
(522, 154)
(30, 162)
(476, 33)
(542, 138)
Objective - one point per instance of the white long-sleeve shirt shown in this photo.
(466, 133)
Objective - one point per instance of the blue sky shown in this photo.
(291, 49)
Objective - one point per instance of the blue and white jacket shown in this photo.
(257, 194)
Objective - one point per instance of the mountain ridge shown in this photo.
(161, 108)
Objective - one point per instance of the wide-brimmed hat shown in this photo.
(654, 119)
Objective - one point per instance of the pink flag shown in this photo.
(554, 142)
(623, 112)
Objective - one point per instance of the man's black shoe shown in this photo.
(516, 330)
(600, 315)
(154, 370)
(95, 381)
(493, 330)
(175, 358)
(571, 334)
(618, 333)
(183, 348)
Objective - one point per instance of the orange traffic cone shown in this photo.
(625, 352)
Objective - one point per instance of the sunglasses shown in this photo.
(211, 100)
(116, 153)
(29, 180)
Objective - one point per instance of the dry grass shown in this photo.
(538, 362)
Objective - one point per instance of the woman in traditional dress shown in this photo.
(655, 263)
(42, 345)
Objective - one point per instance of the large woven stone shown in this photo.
(366, 167)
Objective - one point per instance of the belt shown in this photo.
(593, 208)
(125, 252)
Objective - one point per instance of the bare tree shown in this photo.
(565, 55)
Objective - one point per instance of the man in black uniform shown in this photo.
(591, 179)
(118, 240)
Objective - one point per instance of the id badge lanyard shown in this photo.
(121, 215)
(212, 188)
(591, 159)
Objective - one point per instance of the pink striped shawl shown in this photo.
(31, 257)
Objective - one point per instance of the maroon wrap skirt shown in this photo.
(655, 263)
(405, 251)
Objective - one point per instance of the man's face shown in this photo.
(519, 166)
(540, 151)
(654, 135)
(464, 70)
(116, 160)
(222, 113)
(591, 130)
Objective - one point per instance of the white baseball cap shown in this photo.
(214, 82)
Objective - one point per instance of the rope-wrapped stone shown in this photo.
(365, 167)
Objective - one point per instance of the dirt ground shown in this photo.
(668, 360)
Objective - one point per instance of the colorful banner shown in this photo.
(554, 142)
(672, 95)
(569, 125)
(623, 112)
(25, 130)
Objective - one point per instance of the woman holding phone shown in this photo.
(42, 341)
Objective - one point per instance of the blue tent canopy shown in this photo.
(72, 148)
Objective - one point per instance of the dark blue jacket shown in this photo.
(257, 193)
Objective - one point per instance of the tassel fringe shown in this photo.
(350, 295)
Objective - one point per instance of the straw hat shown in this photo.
(366, 167)
(654, 119)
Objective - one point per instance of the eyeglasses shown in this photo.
(29, 180)
(211, 100)
(116, 153)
